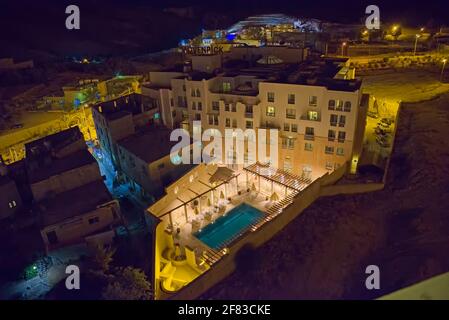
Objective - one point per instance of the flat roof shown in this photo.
(73, 203)
(59, 165)
(149, 145)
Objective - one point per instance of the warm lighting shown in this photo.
(365, 32)
(422, 29)
(418, 36)
(395, 28)
(343, 44)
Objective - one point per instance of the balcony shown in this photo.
(310, 137)
(341, 124)
(290, 116)
(331, 138)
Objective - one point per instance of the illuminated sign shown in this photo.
(203, 50)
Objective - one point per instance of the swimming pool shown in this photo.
(220, 233)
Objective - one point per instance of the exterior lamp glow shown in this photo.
(416, 43)
(442, 69)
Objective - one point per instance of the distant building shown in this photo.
(145, 161)
(81, 214)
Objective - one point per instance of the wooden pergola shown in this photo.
(281, 177)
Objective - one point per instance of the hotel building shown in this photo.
(317, 107)
(213, 211)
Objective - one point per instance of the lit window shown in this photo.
(312, 115)
(270, 96)
(270, 111)
(347, 107)
(331, 105)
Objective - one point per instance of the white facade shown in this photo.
(317, 123)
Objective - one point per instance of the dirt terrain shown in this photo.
(403, 229)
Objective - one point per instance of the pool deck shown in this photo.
(186, 238)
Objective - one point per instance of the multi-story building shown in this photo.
(70, 197)
(146, 163)
(318, 108)
(119, 118)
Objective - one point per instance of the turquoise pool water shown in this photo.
(218, 234)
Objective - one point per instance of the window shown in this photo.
(181, 102)
(228, 123)
(193, 105)
(249, 124)
(286, 127)
(234, 123)
(270, 111)
(12, 204)
(173, 114)
(213, 120)
(310, 133)
(288, 143)
(233, 107)
(193, 92)
(216, 106)
(341, 136)
(308, 146)
(313, 101)
(290, 113)
(331, 105)
(331, 135)
(183, 87)
(291, 99)
(329, 165)
(161, 166)
(198, 93)
(294, 128)
(342, 121)
(347, 107)
(313, 115)
(171, 102)
(339, 106)
(288, 164)
(198, 116)
(249, 109)
(333, 120)
(52, 237)
(226, 107)
(94, 220)
(270, 96)
(340, 151)
(200, 106)
(329, 150)
(226, 86)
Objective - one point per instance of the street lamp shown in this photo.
(442, 69)
(416, 43)
(343, 45)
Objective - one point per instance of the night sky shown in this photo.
(111, 27)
